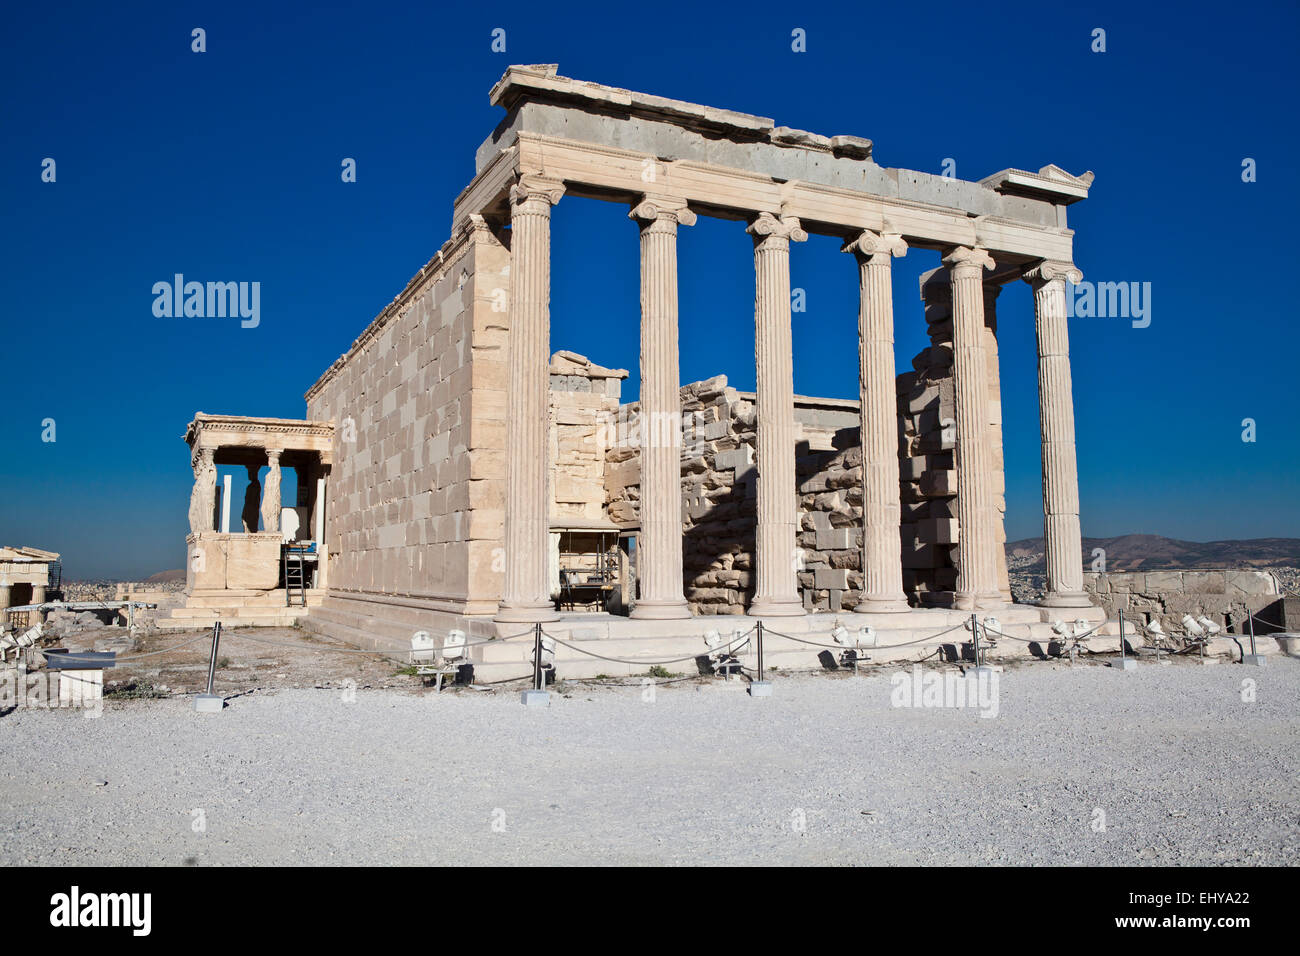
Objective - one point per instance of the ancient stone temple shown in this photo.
(474, 478)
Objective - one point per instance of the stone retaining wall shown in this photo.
(1168, 595)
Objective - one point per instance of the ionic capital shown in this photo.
(534, 188)
(1050, 271)
(964, 262)
(653, 209)
(768, 226)
(872, 244)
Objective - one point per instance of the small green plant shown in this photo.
(408, 671)
(224, 662)
(135, 690)
(659, 670)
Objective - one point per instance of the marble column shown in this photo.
(882, 558)
(271, 492)
(1061, 534)
(976, 558)
(659, 548)
(775, 551)
(527, 593)
(203, 495)
(997, 452)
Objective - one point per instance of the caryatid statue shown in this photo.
(203, 496)
(252, 500)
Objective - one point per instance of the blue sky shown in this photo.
(225, 165)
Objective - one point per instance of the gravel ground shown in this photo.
(826, 771)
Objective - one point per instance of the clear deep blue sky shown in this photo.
(225, 166)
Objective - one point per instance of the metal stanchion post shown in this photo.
(211, 703)
(537, 696)
(1254, 658)
(759, 686)
(1126, 663)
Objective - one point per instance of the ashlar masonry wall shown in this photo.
(416, 498)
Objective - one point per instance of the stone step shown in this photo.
(232, 599)
(358, 631)
(241, 617)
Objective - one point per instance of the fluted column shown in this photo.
(1061, 535)
(777, 590)
(271, 492)
(997, 451)
(659, 548)
(882, 558)
(976, 560)
(203, 495)
(528, 493)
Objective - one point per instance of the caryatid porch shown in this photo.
(563, 137)
(221, 562)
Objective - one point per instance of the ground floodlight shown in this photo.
(1154, 629)
(992, 624)
(866, 636)
(712, 638)
(422, 646)
(454, 646)
(1211, 627)
(1060, 628)
(1193, 628)
(1080, 627)
(840, 635)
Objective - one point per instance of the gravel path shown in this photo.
(826, 771)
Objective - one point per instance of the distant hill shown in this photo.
(1151, 552)
(163, 577)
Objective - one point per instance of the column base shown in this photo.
(525, 613)
(987, 601)
(881, 605)
(1066, 599)
(660, 610)
(789, 607)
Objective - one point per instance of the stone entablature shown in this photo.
(732, 164)
(234, 432)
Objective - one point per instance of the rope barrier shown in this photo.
(722, 648)
(85, 656)
(1038, 640)
(1278, 628)
(866, 647)
(380, 651)
(377, 652)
